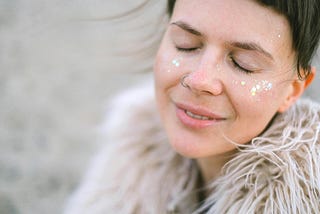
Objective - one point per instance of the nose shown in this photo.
(205, 79)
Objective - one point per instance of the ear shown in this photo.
(297, 88)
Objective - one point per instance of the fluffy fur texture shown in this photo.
(138, 172)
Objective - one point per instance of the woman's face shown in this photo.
(237, 60)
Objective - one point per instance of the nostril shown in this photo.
(201, 84)
(183, 82)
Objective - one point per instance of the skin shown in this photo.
(223, 61)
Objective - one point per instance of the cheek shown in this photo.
(254, 106)
(254, 98)
(168, 69)
(254, 90)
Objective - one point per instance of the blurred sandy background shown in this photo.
(59, 63)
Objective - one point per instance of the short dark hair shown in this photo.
(304, 20)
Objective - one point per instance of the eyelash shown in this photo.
(237, 66)
(233, 61)
(186, 49)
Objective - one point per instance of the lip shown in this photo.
(185, 119)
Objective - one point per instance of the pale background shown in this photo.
(60, 61)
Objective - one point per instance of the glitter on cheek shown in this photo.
(257, 87)
(242, 83)
(253, 91)
(177, 62)
(260, 86)
(268, 86)
(172, 65)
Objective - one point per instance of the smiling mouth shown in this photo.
(196, 116)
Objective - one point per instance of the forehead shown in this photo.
(236, 20)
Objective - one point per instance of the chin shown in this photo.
(186, 152)
(189, 148)
(199, 148)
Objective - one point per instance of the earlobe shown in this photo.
(310, 77)
(297, 89)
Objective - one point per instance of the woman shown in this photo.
(231, 138)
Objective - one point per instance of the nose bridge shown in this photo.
(206, 76)
(208, 64)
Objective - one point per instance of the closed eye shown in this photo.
(186, 49)
(239, 67)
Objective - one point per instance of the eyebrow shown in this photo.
(251, 47)
(187, 27)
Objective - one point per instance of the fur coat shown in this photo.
(138, 172)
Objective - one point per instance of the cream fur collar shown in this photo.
(138, 172)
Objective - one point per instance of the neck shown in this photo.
(210, 167)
